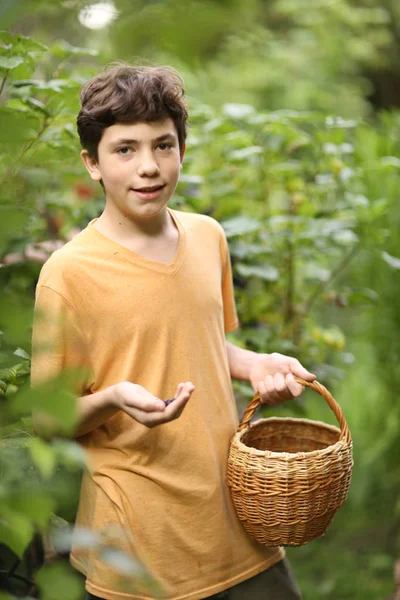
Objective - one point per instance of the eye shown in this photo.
(124, 150)
(165, 146)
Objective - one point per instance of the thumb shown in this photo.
(298, 369)
(179, 389)
(184, 389)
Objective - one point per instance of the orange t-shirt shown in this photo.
(128, 318)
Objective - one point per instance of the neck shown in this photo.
(117, 225)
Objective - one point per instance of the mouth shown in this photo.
(149, 189)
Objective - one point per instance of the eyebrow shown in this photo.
(160, 138)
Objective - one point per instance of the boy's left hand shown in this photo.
(273, 377)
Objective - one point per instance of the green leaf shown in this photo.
(17, 125)
(37, 105)
(5, 37)
(5, 596)
(240, 226)
(43, 457)
(13, 374)
(265, 272)
(242, 250)
(63, 50)
(11, 390)
(390, 161)
(345, 237)
(380, 562)
(10, 63)
(20, 83)
(313, 272)
(16, 530)
(8, 374)
(392, 261)
(122, 562)
(245, 153)
(57, 85)
(37, 506)
(12, 222)
(59, 581)
(25, 43)
(20, 352)
(70, 453)
(238, 111)
(191, 179)
(56, 399)
(63, 536)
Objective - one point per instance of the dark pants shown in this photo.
(276, 583)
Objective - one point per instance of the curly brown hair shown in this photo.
(128, 94)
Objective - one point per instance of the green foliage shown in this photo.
(309, 205)
(57, 581)
(41, 190)
(296, 54)
(285, 186)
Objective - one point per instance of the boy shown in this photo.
(142, 298)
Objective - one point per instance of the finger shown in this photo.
(297, 369)
(185, 393)
(185, 388)
(281, 390)
(150, 405)
(261, 388)
(296, 389)
(145, 401)
(178, 389)
(270, 396)
(279, 383)
(181, 400)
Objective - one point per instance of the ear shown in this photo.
(182, 153)
(91, 165)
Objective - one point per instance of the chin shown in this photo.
(148, 211)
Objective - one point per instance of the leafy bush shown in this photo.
(309, 206)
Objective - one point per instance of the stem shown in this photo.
(58, 70)
(321, 287)
(13, 168)
(3, 82)
(18, 576)
(289, 306)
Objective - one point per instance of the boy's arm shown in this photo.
(59, 350)
(95, 409)
(272, 375)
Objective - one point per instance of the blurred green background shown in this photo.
(294, 146)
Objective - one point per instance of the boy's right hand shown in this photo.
(145, 408)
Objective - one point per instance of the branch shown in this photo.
(13, 168)
(289, 309)
(3, 82)
(322, 286)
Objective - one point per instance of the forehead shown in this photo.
(141, 131)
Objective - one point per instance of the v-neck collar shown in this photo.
(138, 259)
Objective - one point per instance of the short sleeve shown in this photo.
(58, 347)
(231, 321)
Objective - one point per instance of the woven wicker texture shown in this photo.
(288, 477)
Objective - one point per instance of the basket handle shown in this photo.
(317, 387)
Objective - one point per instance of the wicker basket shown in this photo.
(288, 477)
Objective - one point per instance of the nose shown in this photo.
(148, 166)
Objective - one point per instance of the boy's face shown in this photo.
(139, 165)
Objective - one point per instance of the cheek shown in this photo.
(116, 171)
(174, 169)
